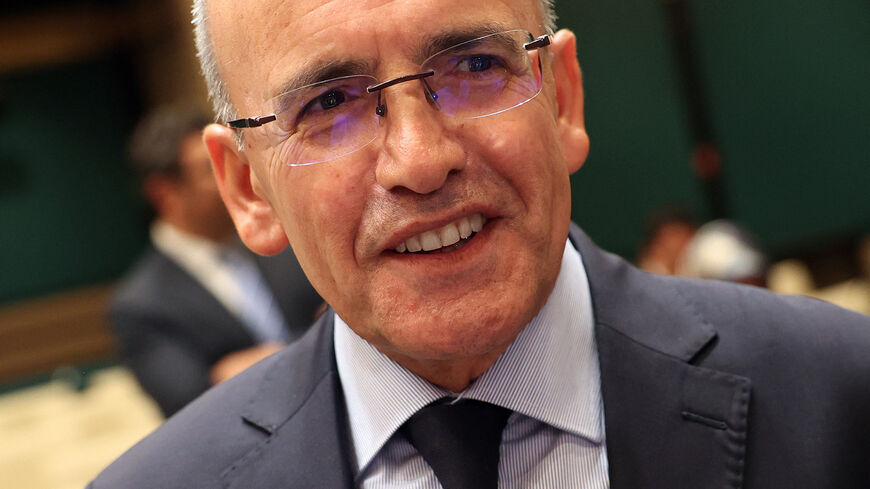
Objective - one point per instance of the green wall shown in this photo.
(68, 215)
(786, 86)
(636, 119)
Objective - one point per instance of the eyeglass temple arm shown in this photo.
(539, 42)
(251, 121)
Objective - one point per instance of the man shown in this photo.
(182, 313)
(667, 233)
(722, 250)
(429, 205)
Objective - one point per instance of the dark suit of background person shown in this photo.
(176, 335)
(172, 330)
(705, 385)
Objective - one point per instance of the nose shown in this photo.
(418, 152)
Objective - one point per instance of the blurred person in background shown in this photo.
(795, 276)
(722, 250)
(198, 307)
(667, 233)
(864, 256)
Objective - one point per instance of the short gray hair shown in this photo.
(217, 90)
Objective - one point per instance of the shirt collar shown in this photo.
(550, 373)
(185, 248)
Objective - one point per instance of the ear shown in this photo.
(569, 97)
(255, 218)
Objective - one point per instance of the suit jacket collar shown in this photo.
(668, 423)
(629, 300)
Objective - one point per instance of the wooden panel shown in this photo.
(39, 335)
(45, 38)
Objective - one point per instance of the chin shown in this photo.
(442, 337)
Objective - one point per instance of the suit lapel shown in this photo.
(300, 409)
(669, 423)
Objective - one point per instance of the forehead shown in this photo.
(260, 45)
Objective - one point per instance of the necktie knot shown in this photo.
(460, 441)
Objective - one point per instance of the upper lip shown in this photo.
(416, 226)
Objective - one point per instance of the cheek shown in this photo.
(322, 215)
(526, 154)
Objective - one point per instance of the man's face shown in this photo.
(197, 191)
(425, 170)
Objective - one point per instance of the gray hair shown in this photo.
(217, 90)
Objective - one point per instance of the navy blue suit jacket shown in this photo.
(706, 385)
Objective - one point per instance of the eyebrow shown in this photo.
(322, 71)
(455, 35)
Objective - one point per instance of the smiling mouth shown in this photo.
(445, 239)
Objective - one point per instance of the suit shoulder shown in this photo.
(757, 327)
(195, 446)
(735, 304)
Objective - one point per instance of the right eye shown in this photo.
(331, 99)
(328, 100)
(476, 63)
(316, 106)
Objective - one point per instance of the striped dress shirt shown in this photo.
(549, 377)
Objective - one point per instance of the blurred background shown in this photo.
(753, 114)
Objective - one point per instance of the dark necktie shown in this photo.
(459, 441)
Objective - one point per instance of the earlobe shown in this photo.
(569, 96)
(255, 218)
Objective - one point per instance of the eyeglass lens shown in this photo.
(477, 78)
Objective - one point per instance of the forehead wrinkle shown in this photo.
(337, 54)
(327, 69)
(324, 58)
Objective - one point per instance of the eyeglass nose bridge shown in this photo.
(381, 109)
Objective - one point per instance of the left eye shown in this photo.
(318, 106)
(477, 63)
(331, 99)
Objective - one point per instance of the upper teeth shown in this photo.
(445, 236)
